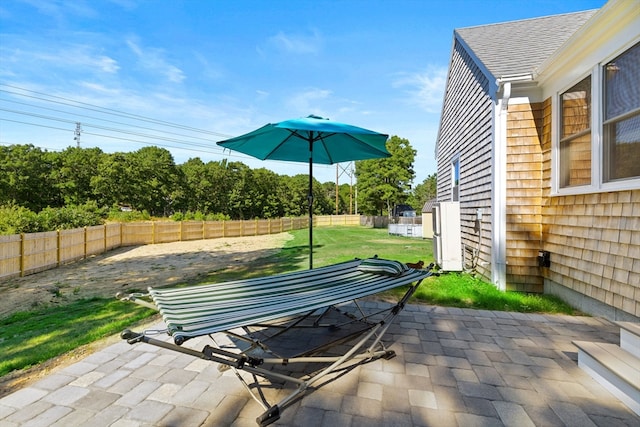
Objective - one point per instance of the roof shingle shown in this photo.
(519, 47)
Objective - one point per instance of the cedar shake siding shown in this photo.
(594, 240)
(524, 196)
(466, 132)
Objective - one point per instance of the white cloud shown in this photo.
(153, 59)
(307, 102)
(424, 89)
(107, 65)
(62, 11)
(297, 44)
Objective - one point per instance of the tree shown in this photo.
(154, 176)
(73, 173)
(423, 192)
(384, 183)
(199, 187)
(24, 177)
(112, 183)
(267, 194)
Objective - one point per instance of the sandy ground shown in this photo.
(122, 269)
(131, 268)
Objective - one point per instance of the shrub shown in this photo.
(74, 216)
(199, 216)
(18, 219)
(118, 215)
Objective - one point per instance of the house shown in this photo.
(539, 142)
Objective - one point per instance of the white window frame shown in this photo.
(455, 161)
(597, 150)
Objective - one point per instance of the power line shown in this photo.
(97, 108)
(83, 106)
(98, 118)
(186, 142)
(85, 124)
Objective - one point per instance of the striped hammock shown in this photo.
(206, 309)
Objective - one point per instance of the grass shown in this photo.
(466, 291)
(30, 338)
(33, 337)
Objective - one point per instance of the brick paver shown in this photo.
(454, 367)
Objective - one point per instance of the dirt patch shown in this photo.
(123, 269)
(133, 268)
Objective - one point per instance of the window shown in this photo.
(575, 135)
(597, 145)
(621, 125)
(455, 180)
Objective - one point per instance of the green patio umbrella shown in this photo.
(310, 139)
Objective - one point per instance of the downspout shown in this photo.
(499, 191)
(499, 183)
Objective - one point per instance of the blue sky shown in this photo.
(184, 74)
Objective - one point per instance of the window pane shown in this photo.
(455, 180)
(622, 91)
(621, 131)
(576, 109)
(622, 149)
(575, 161)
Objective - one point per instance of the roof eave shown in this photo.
(493, 88)
(613, 15)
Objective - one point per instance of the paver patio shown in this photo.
(454, 367)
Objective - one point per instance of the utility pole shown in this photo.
(76, 138)
(349, 171)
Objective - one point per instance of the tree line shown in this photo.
(148, 180)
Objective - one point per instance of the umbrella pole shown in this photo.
(310, 199)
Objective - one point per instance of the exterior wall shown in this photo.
(466, 131)
(594, 241)
(524, 196)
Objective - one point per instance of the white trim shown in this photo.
(606, 32)
(597, 154)
(452, 168)
(499, 193)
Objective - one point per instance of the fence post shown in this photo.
(21, 254)
(58, 245)
(204, 236)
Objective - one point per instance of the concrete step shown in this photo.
(614, 368)
(630, 337)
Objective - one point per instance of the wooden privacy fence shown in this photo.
(24, 254)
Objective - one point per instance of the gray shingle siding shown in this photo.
(520, 47)
(466, 127)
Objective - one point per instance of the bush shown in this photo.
(72, 216)
(18, 219)
(199, 216)
(118, 215)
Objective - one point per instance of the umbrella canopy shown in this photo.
(310, 139)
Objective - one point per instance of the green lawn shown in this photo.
(30, 338)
